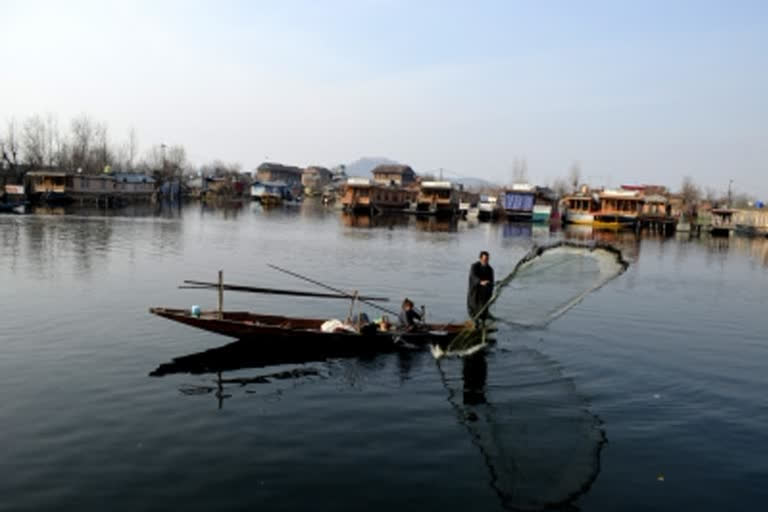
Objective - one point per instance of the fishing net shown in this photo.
(547, 282)
(539, 442)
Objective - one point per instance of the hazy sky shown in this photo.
(635, 91)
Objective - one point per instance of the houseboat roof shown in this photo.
(392, 169)
(437, 184)
(656, 198)
(623, 194)
(522, 187)
(126, 177)
(270, 183)
(317, 169)
(358, 182)
(58, 174)
(273, 167)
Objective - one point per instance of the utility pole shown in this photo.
(730, 182)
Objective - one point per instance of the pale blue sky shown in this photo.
(635, 91)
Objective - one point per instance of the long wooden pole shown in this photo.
(203, 285)
(337, 290)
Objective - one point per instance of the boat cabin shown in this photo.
(438, 198)
(400, 175)
(581, 208)
(363, 196)
(722, 221)
(518, 202)
(271, 192)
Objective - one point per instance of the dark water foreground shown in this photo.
(648, 395)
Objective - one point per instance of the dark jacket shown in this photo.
(478, 295)
(407, 319)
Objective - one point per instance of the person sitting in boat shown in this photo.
(408, 319)
(480, 288)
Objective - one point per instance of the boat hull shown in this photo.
(541, 213)
(579, 218)
(303, 335)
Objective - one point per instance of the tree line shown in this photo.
(85, 146)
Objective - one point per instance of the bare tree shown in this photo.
(132, 148)
(520, 170)
(176, 159)
(101, 154)
(34, 141)
(560, 187)
(52, 141)
(82, 140)
(689, 191)
(574, 176)
(10, 144)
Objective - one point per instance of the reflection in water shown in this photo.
(517, 230)
(352, 220)
(437, 224)
(237, 355)
(539, 443)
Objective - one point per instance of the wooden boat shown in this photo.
(304, 335)
(13, 207)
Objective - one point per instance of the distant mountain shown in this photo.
(363, 167)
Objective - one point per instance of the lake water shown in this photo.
(650, 394)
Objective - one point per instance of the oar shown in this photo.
(203, 285)
(331, 288)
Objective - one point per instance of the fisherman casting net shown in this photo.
(547, 282)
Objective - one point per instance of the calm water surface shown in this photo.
(648, 395)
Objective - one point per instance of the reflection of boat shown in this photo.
(305, 336)
(517, 230)
(374, 221)
(437, 224)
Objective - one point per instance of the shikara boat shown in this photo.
(280, 333)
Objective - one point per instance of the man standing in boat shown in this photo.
(480, 288)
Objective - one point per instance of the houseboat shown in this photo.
(751, 222)
(489, 209)
(13, 199)
(272, 193)
(581, 208)
(361, 195)
(314, 179)
(468, 204)
(545, 206)
(618, 209)
(722, 222)
(518, 202)
(438, 198)
(60, 187)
